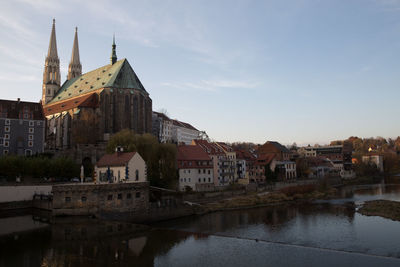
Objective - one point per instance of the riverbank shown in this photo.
(383, 208)
(286, 195)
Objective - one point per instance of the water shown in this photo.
(325, 233)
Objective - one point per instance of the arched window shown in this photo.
(137, 175)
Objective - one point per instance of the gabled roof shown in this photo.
(264, 159)
(116, 159)
(90, 100)
(278, 146)
(209, 148)
(119, 75)
(189, 152)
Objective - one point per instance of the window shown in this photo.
(204, 170)
(209, 180)
(137, 175)
(199, 171)
(30, 143)
(128, 196)
(67, 199)
(30, 137)
(189, 180)
(6, 143)
(31, 130)
(31, 123)
(209, 172)
(199, 180)
(5, 152)
(7, 129)
(109, 197)
(137, 194)
(119, 196)
(7, 122)
(83, 199)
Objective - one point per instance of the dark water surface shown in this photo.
(325, 233)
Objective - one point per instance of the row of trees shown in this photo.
(38, 167)
(160, 158)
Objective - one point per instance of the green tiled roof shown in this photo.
(119, 75)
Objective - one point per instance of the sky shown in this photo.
(304, 71)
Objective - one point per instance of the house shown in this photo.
(121, 167)
(244, 163)
(224, 161)
(22, 128)
(280, 152)
(195, 168)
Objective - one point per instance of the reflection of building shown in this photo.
(21, 128)
(195, 168)
(88, 108)
(374, 159)
(121, 167)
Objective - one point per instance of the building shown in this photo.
(88, 108)
(339, 155)
(121, 167)
(162, 127)
(224, 161)
(183, 133)
(280, 152)
(22, 128)
(195, 168)
(374, 159)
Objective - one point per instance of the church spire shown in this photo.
(51, 73)
(113, 53)
(52, 52)
(75, 67)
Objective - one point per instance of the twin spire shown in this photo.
(75, 67)
(51, 74)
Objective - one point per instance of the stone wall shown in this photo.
(93, 199)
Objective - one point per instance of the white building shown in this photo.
(183, 132)
(121, 167)
(195, 169)
(162, 127)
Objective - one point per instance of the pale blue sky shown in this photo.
(304, 71)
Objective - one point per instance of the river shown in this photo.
(324, 233)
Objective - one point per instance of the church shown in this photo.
(88, 108)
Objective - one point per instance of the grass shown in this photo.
(384, 208)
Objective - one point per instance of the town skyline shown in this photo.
(286, 73)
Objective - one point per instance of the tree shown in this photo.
(160, 158)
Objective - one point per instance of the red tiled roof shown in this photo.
(209, 148)
(188, 152)
(89, 100)
(264, 159)
(116, 159)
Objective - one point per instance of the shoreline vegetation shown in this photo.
(300, 193)
(383, 208)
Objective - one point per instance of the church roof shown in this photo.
(119, 75)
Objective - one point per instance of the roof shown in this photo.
(209, 148)
(11, 109)
(264, 159)
(118, 75)
(279, 146)
(243, 154)
(161, 115)
(189, 152)
(183, 124)
(90, 100)
(116, 159)
(265, 148)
